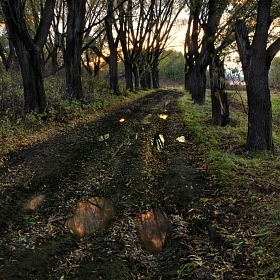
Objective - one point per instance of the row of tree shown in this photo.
(47, 35)
(50, 35)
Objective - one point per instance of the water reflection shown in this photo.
(181, 139)
(158, 141)
(90, 215)
(163, 116)
(103, 137)
(153, 230)
(34, 202)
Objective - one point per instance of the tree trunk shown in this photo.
(113, 72)
(196, 83)
(136, 77)
(259, 135)
(256, 59)
(186, 76)
(219, 98)
(128, 75)
(96, 68)
(113, 57)
(54, 60)
(199, 46)
(155, 76)
(34, 92)
(73, 51)
(29, 50)
(143, 81)
(30, 65)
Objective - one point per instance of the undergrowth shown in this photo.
(18, 131)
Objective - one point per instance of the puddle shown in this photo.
(153, 230)
(158, 141)
(34, 202)
(181, 139)
(103, 137)
(90, 215)
(163, 116)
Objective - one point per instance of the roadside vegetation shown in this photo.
(248, 181)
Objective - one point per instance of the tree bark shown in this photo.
(136, 77)
(219, 97)
(128, 75)
(199, 52)
(155, 73)
(73, 51)
(256, 59)
(29, 50)
(9, 60)
(196, 78)
(113, 57)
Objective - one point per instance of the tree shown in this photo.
(8, 55)
(28, 49)
(112, 44)
(165, 14)
(74, 44)
(223, 39)
(135, 21)
(219, 97)
(224, 45)
(171, 66)
(55, 47)
(144, 28)
(94, 37)
(256, 58)
(199, 46)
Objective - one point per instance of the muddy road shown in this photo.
(115, 157)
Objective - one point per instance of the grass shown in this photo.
(253, 179)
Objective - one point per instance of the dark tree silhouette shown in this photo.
(256, 58)
(28, 49)
(203, 23)
(219, 97)
(74, 43)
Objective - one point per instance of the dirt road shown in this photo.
(114, 157)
